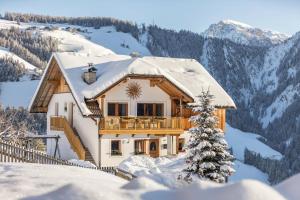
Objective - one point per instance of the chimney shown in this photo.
(90, 75)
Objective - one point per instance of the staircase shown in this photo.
(88, 155)
(60, 123)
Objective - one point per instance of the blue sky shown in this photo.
(194, 15)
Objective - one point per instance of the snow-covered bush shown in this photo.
(207, 157)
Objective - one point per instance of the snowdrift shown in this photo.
(290, 187)
(33, 181)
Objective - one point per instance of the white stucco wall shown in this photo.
(86, 128)
(149, 95)
(127, 148)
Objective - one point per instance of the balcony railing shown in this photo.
(144, 123)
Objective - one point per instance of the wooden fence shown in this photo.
(15, 153)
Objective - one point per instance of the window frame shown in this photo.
(143, 142)
(117, 109)
(154, 109)
(116, 152)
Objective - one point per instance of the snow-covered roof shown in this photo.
(187, 74)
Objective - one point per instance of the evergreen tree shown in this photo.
(208, 157)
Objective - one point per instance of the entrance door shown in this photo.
(154, 148)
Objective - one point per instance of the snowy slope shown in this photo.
(243, 34)
(120, 43)
(16, 94)
(5, 52)
(239, 141)
(290, 187)
(34, 181)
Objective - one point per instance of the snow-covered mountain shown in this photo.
(243, 34)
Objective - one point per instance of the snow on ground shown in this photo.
(166, 169)
(82, 163)
(16, 94)
(239, 141)
(290, 187)
(73, 42)
(244, 171)
(33, 181)
(120, 43)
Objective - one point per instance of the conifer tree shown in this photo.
(207, 157)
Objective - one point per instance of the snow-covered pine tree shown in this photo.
(207, 157)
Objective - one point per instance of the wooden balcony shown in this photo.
(143, 125)
(60, 123)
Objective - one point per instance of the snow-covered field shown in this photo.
(166, 169)
(47, 182)
(16, 94)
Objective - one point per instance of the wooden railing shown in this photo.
(60, 123)
(15, 153)
(144, 123)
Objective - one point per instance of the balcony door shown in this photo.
(154, 148)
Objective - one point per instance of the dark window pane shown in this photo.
(139, 147)
(159, 110)
(149, 109)
(122, 110)
(140, 109)
(153, 146)
(111, 109)
(115, 148)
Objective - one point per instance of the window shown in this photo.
(122, 109)
(140, 109)
(111, 109)
(181, 144)
(150, 109)
(117, 109)
(116, 148)
(56, 109)
(159, 110)
(139, 147)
